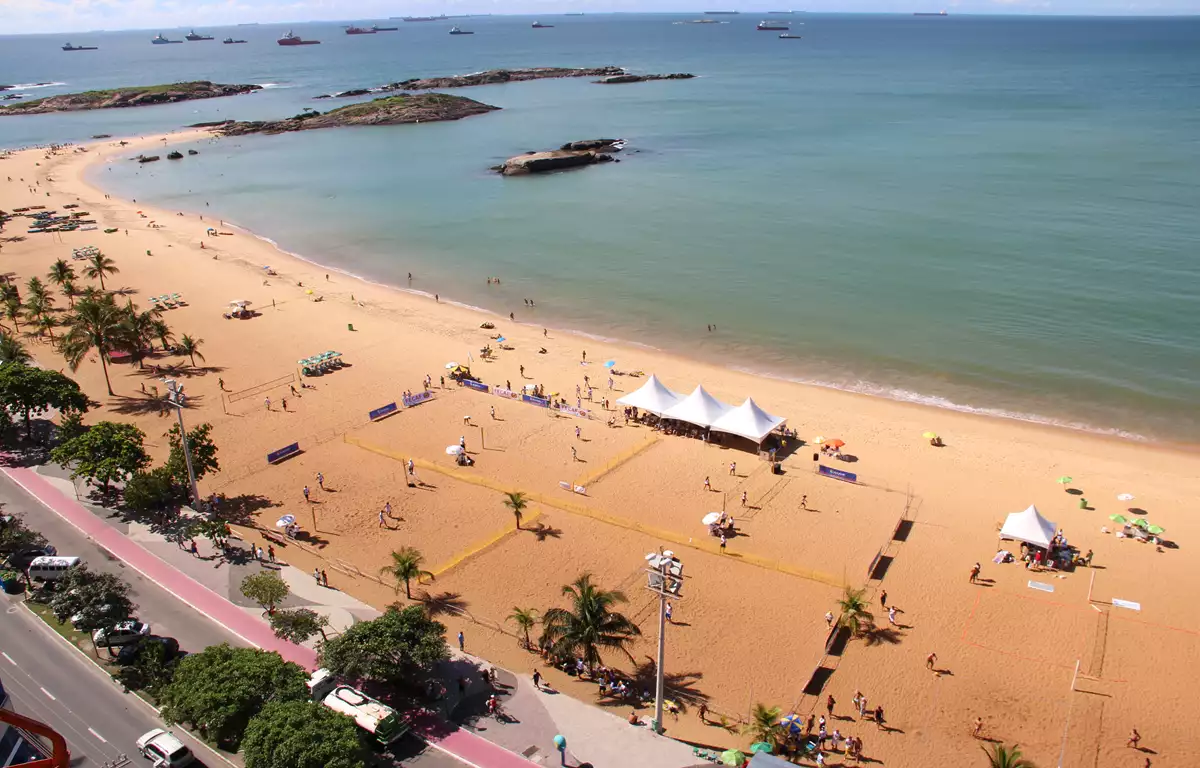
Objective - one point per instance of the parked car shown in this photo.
(164, 749)
(21, 559)
(121, 633)
(129, 653)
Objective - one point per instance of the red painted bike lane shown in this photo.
(471, 749)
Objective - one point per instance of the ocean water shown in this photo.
(988, 213)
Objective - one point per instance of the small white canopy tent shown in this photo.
(1028, 526)
(748, 421)
(699, 408)
(652, 396)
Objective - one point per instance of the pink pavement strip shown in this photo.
(464, 745)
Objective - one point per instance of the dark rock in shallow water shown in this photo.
(193, 152)
(573, 154)
(495, 76)
(352, 92)
(209, 124)
(623, 78)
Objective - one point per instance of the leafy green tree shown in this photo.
(298, 625)
(150, 670)
(61, 273)
(95, 325)
(266, 589)
(99, 600)
(156, 489)
(71, 425)
(15, 536)
(213, 530)
(406, 566)
(12, 350)
(516, 502)
(191, 347)
(108, 451)
(589, 625)
(524, 618)
(221, 688)
(39, 306)
(33, 391)
(201, 448)
(135, 333)
(764, 724)
(1000, 756)
(854, 614)
(302, 734)
(398, 646)
(98, 266)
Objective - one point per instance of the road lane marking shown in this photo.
(98, 736)
(10, 661)
(51, 695)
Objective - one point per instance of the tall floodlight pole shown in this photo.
(664, 574)
(176, 398)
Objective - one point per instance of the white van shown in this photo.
(51, 568)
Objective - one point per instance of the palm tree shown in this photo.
(12, 311)
(91, 293)
(516, 501)
(68, 290)
(9, 292)
(589, 625)
(12, 350)
(62, 274)
(191, 347)
(855, 615)
(136, 332)
(406, 566)
(524, 618)
(39, 305)
(98, 266)
(764, 724)
(95, 325)
(163, 333)
(1001, 756)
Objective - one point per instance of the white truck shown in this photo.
(379, 720)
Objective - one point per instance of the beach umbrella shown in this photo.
(285, 521)
(610, 363)
(1064, 479)
(453, 450)
(930, 435)
(1141, 522)
(733, 757)
(761, 746)
(500, 339)
(451, 366)
(1155, 529)
(793, 723)
(1124, 497)
(1118, 519)
(835, 443)
(309, 291)
(818, 440)
(711, 518)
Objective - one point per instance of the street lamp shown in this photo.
(664, 577)
(176, 398)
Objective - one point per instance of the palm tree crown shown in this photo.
(854, 614)
(524, 618)
(12, 350)
(764, 724)
(61, 272)
(95, 325)
(405, 566)
(190, 347)
(516, 501)
(589, 625)
(1001, 756)
(98, 266)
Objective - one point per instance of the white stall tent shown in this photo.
(748, 421)
(1028, 526)
(699, 408)
(652, 396)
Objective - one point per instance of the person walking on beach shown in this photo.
(857, 699)
(585, 355)
(493, 412)
(574, 454)
(733, 468)
(892, 616)
(268, 402)
(930, 660)
(743, 498)
(829, 702)
(461, 640)
(723, 543)
(578, 432)
(1134, 738)
(804, 502)
(975, 572)
(324, 578)
(883, 598)
(283, 402)
(382, 523)
(707, 484)
(307, 500)
(317, 575)
(271, 553)
(829, 618)
(977, 732)
(221, 384)
(879, 718)
(462, 442)
(321, 481)
(862, 708)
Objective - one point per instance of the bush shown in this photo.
(152, 491)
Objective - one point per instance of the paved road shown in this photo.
(50, 682)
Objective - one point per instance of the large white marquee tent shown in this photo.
(699, 408)
(652, 396)
(702, 409)
(748, 421)
(1028, 526)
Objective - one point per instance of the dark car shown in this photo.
(129, 653)
(20, 560)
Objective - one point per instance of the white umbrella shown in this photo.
(285, 521)
(711, 518)
(451, 366)
(1125, 497)
(453, 450)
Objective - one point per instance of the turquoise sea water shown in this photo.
(1000, 214)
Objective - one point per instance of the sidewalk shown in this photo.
(210, 586)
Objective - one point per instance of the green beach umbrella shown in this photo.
(761, 746)
(1155, 529)
(1118, 519)
(733, 757)
(1141, 522)
(1064, 479)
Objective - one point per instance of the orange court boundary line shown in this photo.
(620, 522)
(480, 546)
(972, 644)
(621, 458)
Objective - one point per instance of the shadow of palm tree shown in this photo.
(143, 404)
(184, 370)
(240, 510)
(543, 531)
(443, 603)
(124, 290)
(680, 687)
(882, 636)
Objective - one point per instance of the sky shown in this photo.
(39, 16)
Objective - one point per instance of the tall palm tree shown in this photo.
(12, 350)
(9, 292)
(136, 332)
(39, 306)
(163, 333)
(98, 266)
(516, 501)
(62, 274)
(764, 724)
(1001, 756)
(589, 625)
(406, 566)
(191, 347)
(524, 618)
(12, 311)
(95, 325)
(91, 293)
(854, 614)
(69, 290)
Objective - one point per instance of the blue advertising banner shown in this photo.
(538, 401)
(479, 386)
(275, 457)
(379, 413)
(416, 398)
(837, 474)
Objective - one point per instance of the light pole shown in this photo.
(176, 398)
(664, 574)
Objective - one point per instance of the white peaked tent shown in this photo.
(699, 408)
(748, 421)
(1028, 526)
(652, 396)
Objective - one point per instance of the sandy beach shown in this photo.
(1061, 671)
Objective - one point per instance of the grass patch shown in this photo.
(81, 640)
